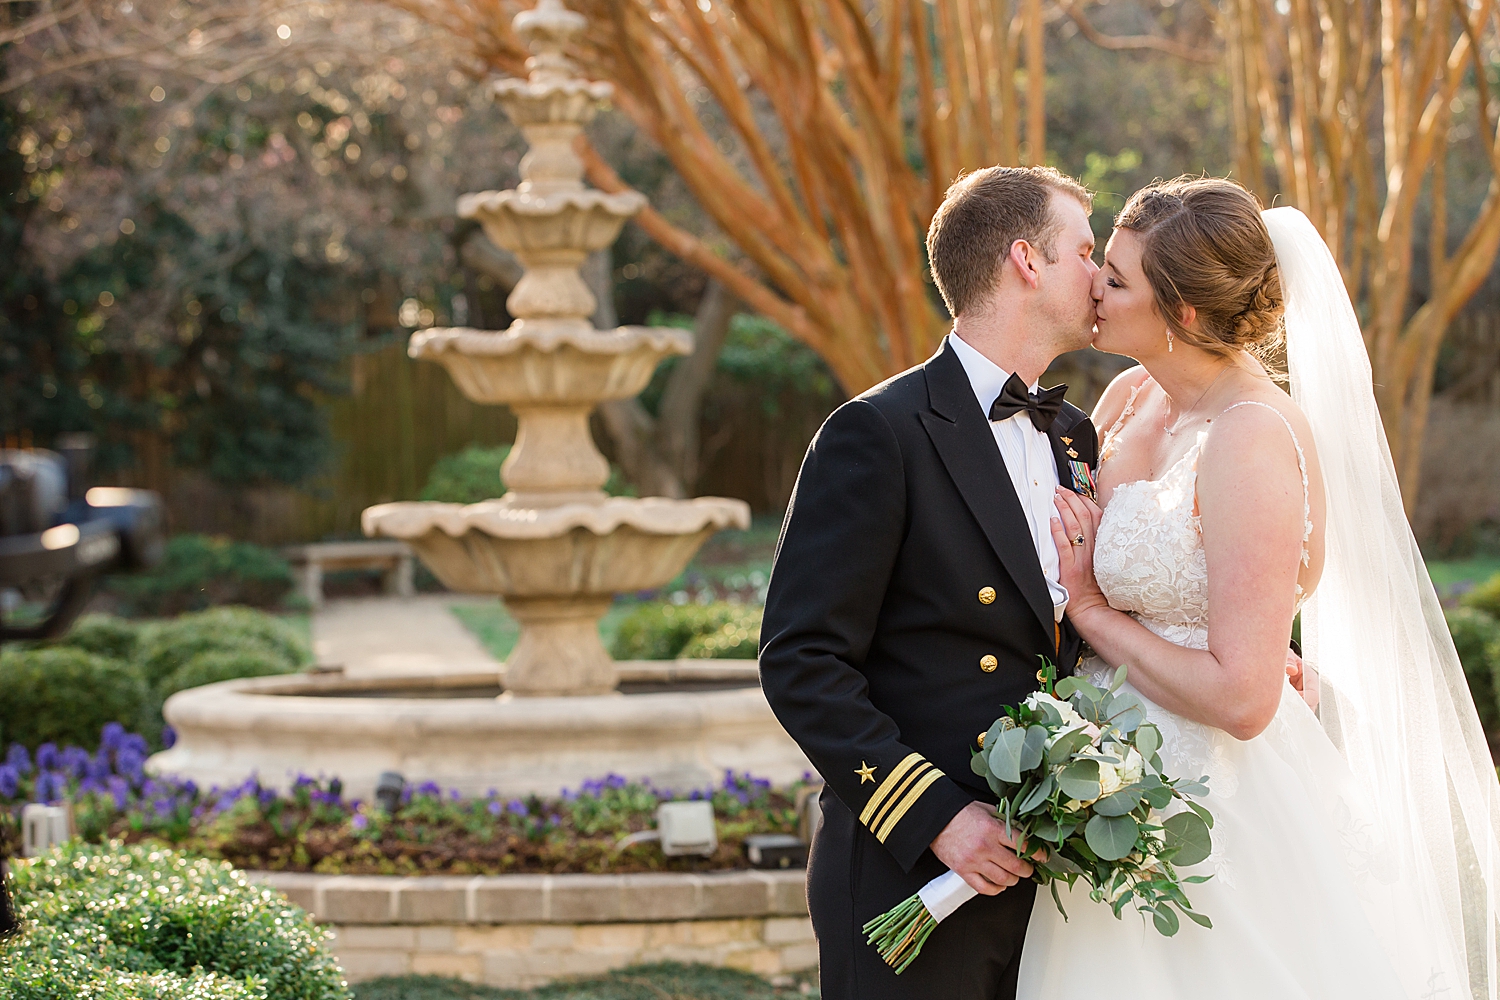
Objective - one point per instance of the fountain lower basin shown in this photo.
(681, 724)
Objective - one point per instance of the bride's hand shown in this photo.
(1073, 530)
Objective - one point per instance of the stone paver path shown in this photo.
(372, 636)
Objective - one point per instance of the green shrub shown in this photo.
(133, 922)
(1476, 636)
(473, 474)
(104, 635)
(667, 631)
(66, 695)
(199, 572)
(168, 647)
(1485, 597)
(222, 665)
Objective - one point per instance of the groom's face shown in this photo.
(1067, 283)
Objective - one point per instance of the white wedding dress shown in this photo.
(1297, 901)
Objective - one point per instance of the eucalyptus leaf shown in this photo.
(1187, 786)
(1166, 921)
(1064, 688)
(1087, 690)
(1118, 804)
(1198, 918)
(1186, 832)
(1202, 813)
(1050, 713)
(1005, 756)
(1067, 745)
(1000, 788)
(1147, 738)
(1111, 837)
(1080, 780)
(1127, 713)
(1119, 679)
(1158, 794)
(1038, 795)
(978, 766)
(1031, 751)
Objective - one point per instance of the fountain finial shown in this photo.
(547, 29)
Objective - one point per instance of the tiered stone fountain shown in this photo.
(555, 547)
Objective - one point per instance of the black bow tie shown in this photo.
(1042, 406)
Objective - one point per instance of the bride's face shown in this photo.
(1126, 319)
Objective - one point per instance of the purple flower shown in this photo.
(516, 807)
(168, 737)
(495, 808)
(49, 786)
(360, 821)
(10, 781)
(98, 767)
(19, 759)
(46, 757)
(75, 761)
(120, 791)
(112, 736)
(131, 764)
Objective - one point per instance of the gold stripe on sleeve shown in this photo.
(898, 794)
(887, 786)
(907, 802)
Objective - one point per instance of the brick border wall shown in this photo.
(518, 931)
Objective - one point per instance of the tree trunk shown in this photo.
(659, 454)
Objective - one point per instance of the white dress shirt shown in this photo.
(1028, 458)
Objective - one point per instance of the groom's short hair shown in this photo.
(982, 215)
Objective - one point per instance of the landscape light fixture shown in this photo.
(388, 788)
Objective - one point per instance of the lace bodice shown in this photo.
(1149, 557)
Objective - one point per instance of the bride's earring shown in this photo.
(1169, 340)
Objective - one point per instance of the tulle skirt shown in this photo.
(1301, 905)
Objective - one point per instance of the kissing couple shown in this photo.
(957, 523)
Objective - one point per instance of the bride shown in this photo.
(1355, 849)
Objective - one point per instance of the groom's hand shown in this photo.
(974, 845)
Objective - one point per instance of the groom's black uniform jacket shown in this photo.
(906, 607)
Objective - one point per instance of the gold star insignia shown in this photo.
(1066, 440)
(866, 773)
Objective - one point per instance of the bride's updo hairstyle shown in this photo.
(1204, 244)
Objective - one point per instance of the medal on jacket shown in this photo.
(1083, 478)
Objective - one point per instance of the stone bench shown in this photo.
(521, 931)
(309, 562)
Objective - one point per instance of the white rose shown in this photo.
(1109, 779)
(1133, 767)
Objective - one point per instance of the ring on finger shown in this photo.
(1077, 539)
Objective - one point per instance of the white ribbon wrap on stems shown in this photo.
(945, 894)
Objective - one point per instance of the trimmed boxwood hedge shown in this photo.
(721, 630)
(129, 922)
(167, 647)
(66, 695)
(201, 571)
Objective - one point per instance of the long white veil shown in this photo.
(1394, 699)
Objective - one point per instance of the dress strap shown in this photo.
(1114, 429)
(1307, 525)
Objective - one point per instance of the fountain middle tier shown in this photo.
(558, 568)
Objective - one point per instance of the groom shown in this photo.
(916, 586)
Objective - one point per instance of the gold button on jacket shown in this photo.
(988, 663)
(987, 595)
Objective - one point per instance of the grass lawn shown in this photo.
(1449, 575)
(643, 982)
(497, 631)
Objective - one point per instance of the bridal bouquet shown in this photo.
(1081, 787)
